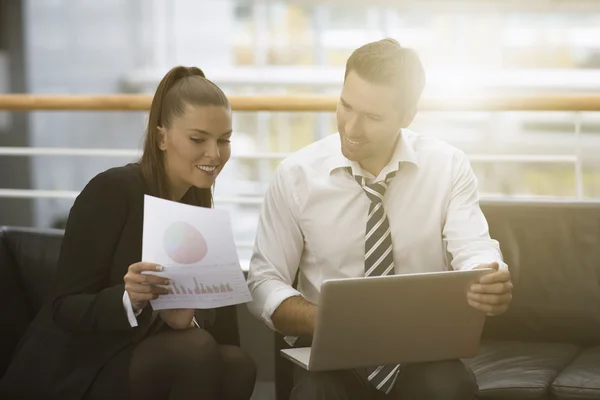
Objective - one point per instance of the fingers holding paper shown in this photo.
(142, 287)
(493, 293)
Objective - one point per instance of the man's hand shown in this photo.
(493, 293)
(295, 316)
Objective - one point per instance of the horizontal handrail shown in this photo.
(140, 102)
(530, 158)
(219, 200)
(71, 194)
(131, 153)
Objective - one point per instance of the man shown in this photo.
(376, 199)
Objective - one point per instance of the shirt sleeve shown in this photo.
(131, 314)
(465, 231)
(277, 251)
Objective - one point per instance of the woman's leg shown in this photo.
(238, 374)
(176, 365)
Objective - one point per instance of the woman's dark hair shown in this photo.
(180, 87)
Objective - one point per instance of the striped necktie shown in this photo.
(379, 260)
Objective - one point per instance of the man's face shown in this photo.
(368, 119)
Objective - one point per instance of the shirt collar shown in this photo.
(404, 152)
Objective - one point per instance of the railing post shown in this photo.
(578, 155)
(264, 144)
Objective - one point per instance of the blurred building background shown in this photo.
(286, 47)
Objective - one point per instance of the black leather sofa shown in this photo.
(547, 346)
(28, 259)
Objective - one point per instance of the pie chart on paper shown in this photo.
(184, 244)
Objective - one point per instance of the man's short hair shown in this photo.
(387, 62)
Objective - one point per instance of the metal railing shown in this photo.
(576, 103)
(130, 102)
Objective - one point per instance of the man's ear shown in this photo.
(408, 117)
(161, 138)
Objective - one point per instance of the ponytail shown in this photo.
(174, 75)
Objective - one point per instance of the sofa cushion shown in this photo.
(519, 370)
(36, 253)
(553, 252)
(14, 311)
(581, 379)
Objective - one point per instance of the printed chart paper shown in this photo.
(195, 246)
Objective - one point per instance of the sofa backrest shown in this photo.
(28, 258)
(553, 251)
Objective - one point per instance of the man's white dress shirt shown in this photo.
(314, 217)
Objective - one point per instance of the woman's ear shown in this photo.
(161, 138)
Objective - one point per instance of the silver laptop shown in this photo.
(363, 322)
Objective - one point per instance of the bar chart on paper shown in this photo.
(201, 288)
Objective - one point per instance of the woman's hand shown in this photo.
(143, 287)
(178, 319)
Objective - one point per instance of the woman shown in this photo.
(98, 337)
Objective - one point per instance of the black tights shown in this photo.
(181, 365)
